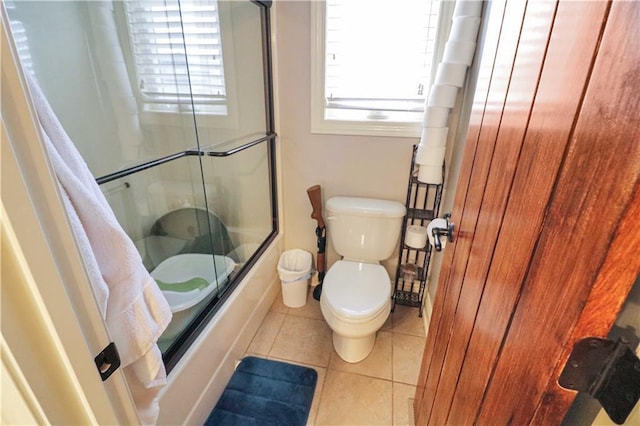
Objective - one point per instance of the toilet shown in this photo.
(357, 290)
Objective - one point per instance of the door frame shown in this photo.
(51, 275)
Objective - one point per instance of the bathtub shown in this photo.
(197, 381)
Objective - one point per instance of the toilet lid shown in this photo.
(356, 289)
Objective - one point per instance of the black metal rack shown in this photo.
(423, 204)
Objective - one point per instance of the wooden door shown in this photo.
(548, 213)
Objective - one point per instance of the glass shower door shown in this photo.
(168, 103)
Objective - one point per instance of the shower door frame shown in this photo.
(178, 348)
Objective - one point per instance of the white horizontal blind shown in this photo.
(20, 38)
(177, 54)
(22, 45)
(378, 54)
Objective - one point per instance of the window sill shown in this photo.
(367, 128)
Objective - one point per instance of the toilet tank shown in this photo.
(364, 229)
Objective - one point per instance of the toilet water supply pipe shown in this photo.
(315, 197)
(450, 76)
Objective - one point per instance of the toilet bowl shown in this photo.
(355, 302)
(356, 291)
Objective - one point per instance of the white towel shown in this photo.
(133, 307)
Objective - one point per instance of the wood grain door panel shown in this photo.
(493, 198)
(476, 120)
(558, 99)
(596, 185)
(444, 308)
(541, 193)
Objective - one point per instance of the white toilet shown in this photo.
(356, 291)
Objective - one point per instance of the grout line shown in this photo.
(319, 393)
(275, 337)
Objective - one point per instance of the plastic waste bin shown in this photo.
(295, 273)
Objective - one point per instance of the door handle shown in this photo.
(439, 232)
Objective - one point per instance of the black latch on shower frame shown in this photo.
(107, 361)
(608, 371)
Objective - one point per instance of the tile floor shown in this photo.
(376, 391)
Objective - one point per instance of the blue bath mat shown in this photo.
(265, 392)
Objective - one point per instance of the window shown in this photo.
(20, 39)
(22, 46)
(177, 55)
(372, 65)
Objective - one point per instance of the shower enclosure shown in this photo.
(170, 105)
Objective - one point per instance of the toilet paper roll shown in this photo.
(464, 28)
(436, 223)
(442, 96)
(416, 236)
(459, 52)
(430, 174)
(435, 116)
(434, 136)
(468, 8)
(451, 74)
(430, 155)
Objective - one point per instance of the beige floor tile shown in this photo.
(407, 356)
(311, 309)
(352, 399)
(304, 340)
(377, 364)
(403, 397)
(405, 320)
(278, 305)
(315, 405)
(266, 334)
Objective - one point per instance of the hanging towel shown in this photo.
(132, 305)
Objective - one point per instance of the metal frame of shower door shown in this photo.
(179, 347)
(186, 338)
(187, 153)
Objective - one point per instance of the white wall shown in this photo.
(342, 165)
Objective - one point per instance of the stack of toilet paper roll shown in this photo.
(450, 76)
(416, 236)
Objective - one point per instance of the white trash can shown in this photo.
(295, 273)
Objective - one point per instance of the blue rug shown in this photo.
(265, 392)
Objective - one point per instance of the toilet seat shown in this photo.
(356, 291)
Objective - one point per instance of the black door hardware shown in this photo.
(107, 361)
(439, 232)
(608, 371)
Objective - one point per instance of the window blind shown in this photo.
(22, 45)
(20, 38)
(177, 54)
(379, 53)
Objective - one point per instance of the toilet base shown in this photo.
(352, 349)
